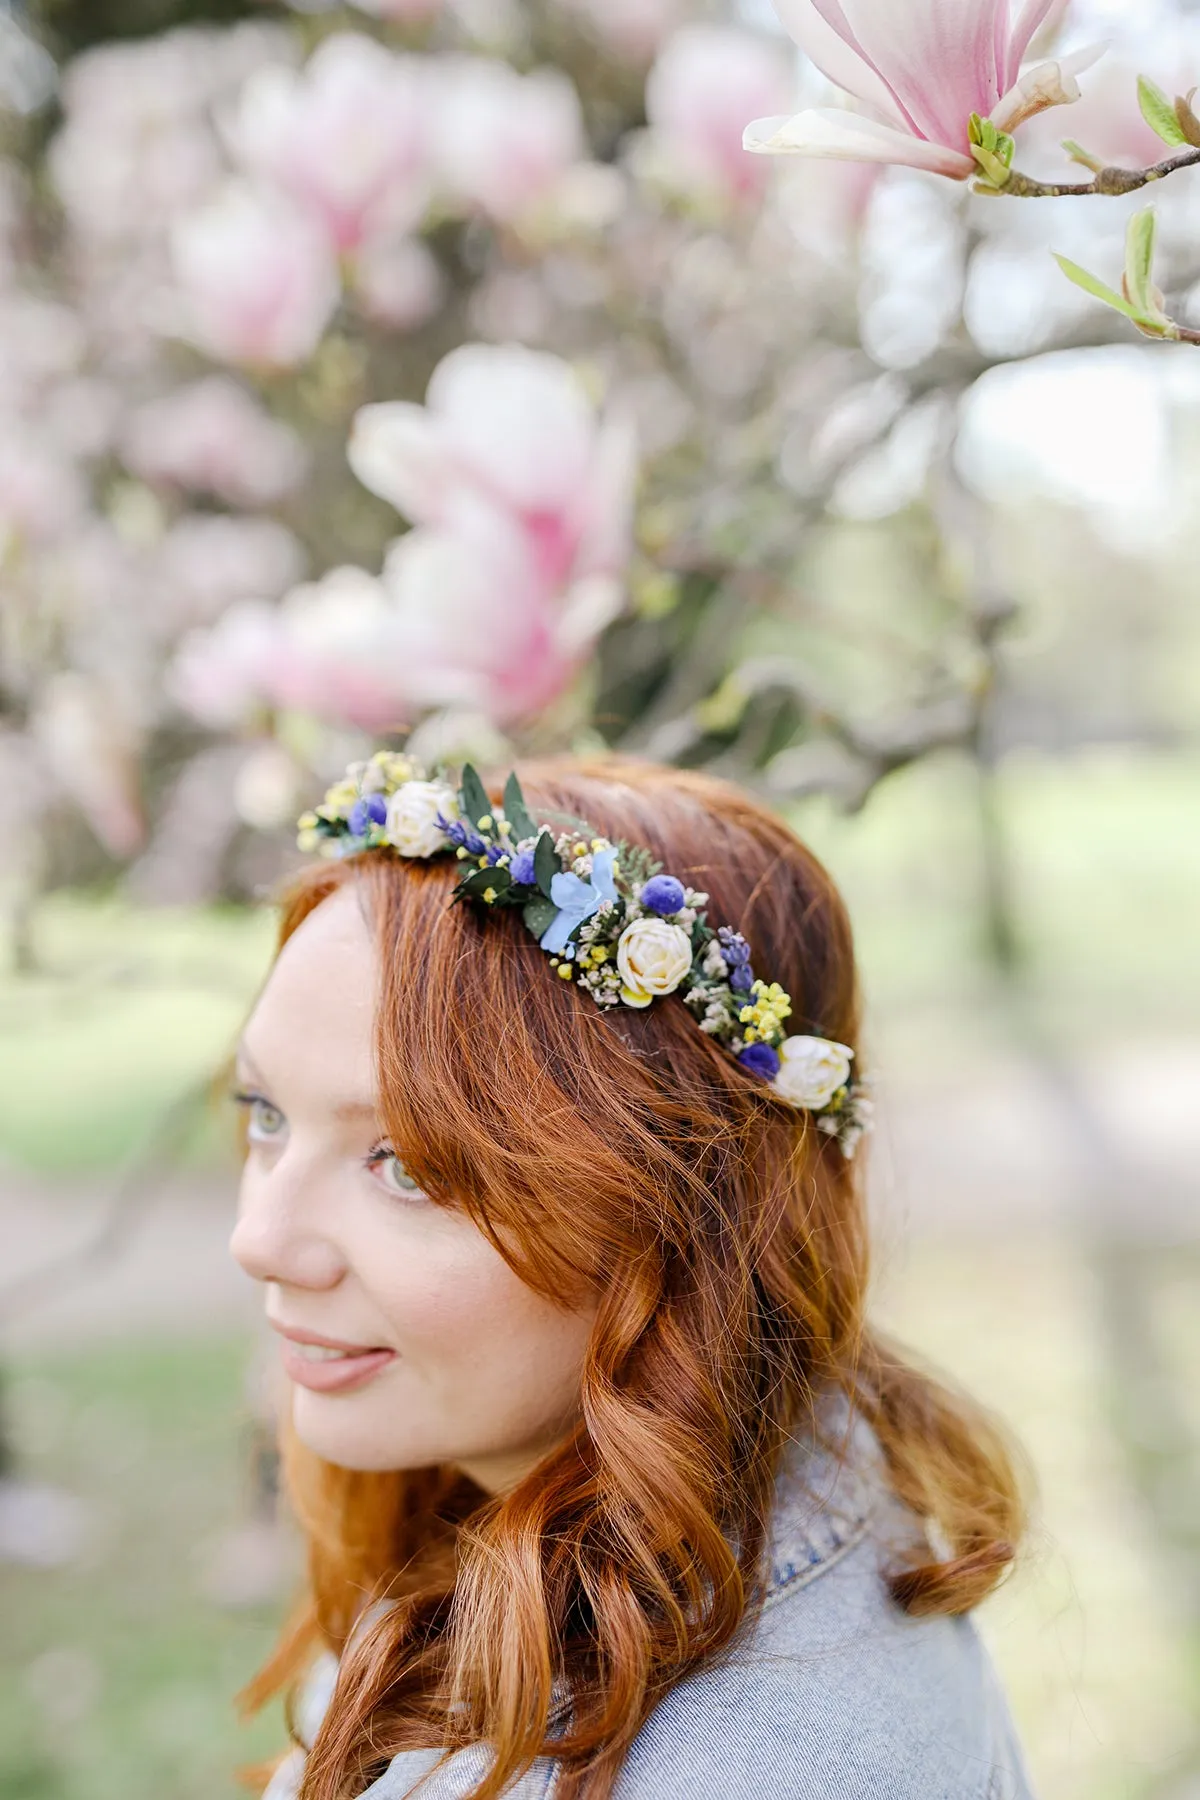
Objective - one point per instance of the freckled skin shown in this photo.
(487, 1371)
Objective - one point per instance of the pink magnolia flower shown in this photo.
(339, 656)
(508, 449)
(503, 141)
(89, 748)
(919, 71)
(698, 95)
(633, 28)
(258, 280)
(345, 136)
(222, 674)
(523, 497)
(473, 631)
(212, 437)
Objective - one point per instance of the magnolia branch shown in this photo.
(1109, 183)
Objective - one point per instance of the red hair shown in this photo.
(625, 1155)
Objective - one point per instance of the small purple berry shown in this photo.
(522, 869)
(663, 895)
(760, 1059)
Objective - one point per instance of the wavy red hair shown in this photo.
(625, 1155)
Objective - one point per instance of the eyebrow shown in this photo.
(345, 1109)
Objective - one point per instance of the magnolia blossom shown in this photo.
(258, 279)
(502, 141)
(212, 437)
(633, 28)
(918, 72)
(523, 499)
(89, 748)
(508, 453)
(699, 93)
(345, 136)
(339, 654)
(221, 675)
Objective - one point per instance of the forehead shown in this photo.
(313, 1025)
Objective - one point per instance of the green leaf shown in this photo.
(539, 915)
(476, 886)
(1091, 284)
(546, 864)
(1159, 113)
(996, 172)
(1139, 263)
(516, 811)
(1078, 154)
(473, 797)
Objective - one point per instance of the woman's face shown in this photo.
(465, 1364)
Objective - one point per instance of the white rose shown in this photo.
(412, 815)
(653, 958)
(812, 1070)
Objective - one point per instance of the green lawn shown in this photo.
(116, 1673)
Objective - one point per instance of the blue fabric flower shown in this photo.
(577, 900)
(523, 869)
(663, 895)
(760, 1059)
(372, 810)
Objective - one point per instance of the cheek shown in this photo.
(479, 1343)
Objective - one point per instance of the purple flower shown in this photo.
(741, 977)
(760, 1059)
(495, 852)
(522, 868)
(372, 810)
(663, 895)
(734, 947)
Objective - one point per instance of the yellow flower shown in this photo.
(486, 823)
(489, 895)
(565, 971)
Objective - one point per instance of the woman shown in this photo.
(609, 1488)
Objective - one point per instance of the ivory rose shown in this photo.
(653, 958)
(412, 815)
(812, 1071)
(918, 71)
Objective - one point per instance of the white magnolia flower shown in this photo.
(412, 826)
(653, 958)
(812, 1071)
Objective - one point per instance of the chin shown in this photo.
(337, 1431)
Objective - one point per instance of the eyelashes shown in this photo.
(267, 1124)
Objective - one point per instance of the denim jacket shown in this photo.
(830, 1693)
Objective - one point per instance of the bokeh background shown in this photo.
(831, 483)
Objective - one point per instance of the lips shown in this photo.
(328, 1365)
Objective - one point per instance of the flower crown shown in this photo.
(610, 920)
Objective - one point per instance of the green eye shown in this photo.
(393, 1174)
(266, 1121)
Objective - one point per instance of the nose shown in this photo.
(278, 1235)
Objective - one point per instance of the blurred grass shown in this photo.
(129, 1009)
(116, 1674)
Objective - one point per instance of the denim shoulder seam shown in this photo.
(794, 1575)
